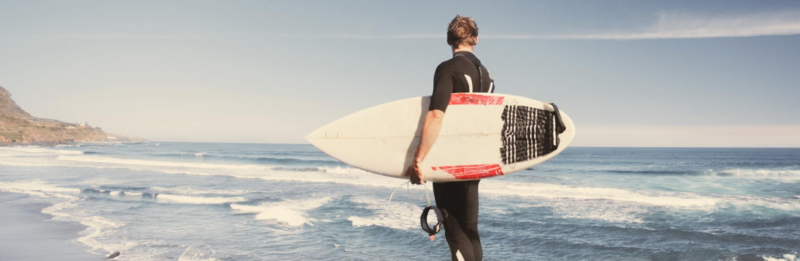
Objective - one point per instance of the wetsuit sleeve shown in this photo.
(442, 88)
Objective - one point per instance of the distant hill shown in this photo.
(9, 108)
(19, 127)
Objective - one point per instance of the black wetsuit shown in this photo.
(459, 200)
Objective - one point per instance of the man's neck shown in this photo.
(463, 48)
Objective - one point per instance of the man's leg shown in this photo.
(450, 197)
(470, 222)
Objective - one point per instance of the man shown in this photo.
(457, 200)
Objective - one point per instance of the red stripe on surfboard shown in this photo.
(475, 99)
(477, 171)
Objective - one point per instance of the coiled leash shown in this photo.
(424, 221)
(424, 218)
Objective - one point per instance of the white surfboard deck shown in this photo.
(383, 139)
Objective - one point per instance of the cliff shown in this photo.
(19, 127)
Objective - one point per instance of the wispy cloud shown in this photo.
(673, 25)
(688, 26)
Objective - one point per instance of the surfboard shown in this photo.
(483, 135)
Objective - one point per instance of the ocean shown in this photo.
(209, 201)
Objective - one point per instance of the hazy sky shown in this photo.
(630, 73)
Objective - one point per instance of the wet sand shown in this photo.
(28, 234)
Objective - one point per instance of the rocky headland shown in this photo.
(18, 127)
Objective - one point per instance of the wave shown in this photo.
(784, 174)
(289, 161)
(39, 189)
(195, 165)
(188, 190)
(35, 151)
(491, 187)
(313, 169)
(167, 198)
(657, 172)
(290, 212)
(111, 187)
(95, 191)
(253, 159)
(339, 170)
(553, 191)
(139, 162)
(612, 212)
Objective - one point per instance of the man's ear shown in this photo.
(476, 40)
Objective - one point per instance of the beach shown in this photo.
(28, 234)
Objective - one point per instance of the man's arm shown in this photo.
(442, 89)
(430, 131)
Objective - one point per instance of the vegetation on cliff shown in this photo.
(19, 127)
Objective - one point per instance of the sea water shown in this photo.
(203, 201)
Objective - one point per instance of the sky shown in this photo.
(629, 73)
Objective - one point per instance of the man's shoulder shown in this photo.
(454, 64)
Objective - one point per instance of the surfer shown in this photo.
(457, 200)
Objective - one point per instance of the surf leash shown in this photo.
(423, 219)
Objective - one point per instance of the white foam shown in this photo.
(338, 175)
(28, 151)
(613, 212)
(155, 163)
(198, 154)
(788, 175)
(341, 170)
(785, 257)
(198, 253)
(543, 190)
(290, 212)
(749, 202)
(397, 215)
(188, 190)
(56, 211)
(39, 189)
(97, 227)
(166, 198)
(135, 194)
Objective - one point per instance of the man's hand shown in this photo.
(414, 174)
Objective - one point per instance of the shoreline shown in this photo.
(48, 144)
(28, 234)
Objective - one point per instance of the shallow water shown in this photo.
(200, 201)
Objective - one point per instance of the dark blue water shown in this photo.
(198, 201)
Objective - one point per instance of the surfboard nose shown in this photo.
(315, 136)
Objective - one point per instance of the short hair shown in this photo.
(462, 30)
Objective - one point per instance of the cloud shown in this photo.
(689, 26)
(674, 25)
